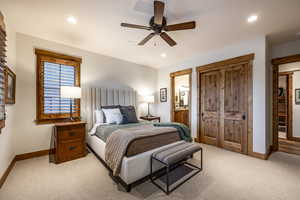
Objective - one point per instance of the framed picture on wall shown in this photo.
(10, 86)
(297, 96)
(163, 95)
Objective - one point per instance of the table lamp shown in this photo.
(71, 93)
(148, 100)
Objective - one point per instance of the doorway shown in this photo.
(286, 104)
(181, 96)
(225, 104)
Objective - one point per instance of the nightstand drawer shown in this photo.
(71, 134)
(69, 141)
(71, 150)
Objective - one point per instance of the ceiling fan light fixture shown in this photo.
(158, 26)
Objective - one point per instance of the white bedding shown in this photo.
(133, 168)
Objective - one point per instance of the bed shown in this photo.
(135, 165)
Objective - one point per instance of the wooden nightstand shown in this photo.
(150, 118)
(69, 141)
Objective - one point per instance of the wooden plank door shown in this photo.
(210, 98)
(233, 108)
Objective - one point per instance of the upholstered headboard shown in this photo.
(94, 98)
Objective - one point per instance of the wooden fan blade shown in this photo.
(182, 26)
(146, 39)
(135, 26)
(158, 12)
(168, 39)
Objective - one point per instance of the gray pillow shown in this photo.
(129, 114)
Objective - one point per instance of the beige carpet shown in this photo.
(226, 175)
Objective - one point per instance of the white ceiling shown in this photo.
(219, 23)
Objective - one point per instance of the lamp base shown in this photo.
(72, 119)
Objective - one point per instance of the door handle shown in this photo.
(202, 116)
(72, 148)
(244, 117)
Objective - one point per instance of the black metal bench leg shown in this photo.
(128, 188)
(201, 159)
(167, 175)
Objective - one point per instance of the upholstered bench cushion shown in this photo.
(176, 153)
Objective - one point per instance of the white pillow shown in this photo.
(113, 115)
(99, 116)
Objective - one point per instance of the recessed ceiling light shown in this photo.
(163, 55)
(72, 20)
(252, 18)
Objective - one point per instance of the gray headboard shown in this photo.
(94, 98)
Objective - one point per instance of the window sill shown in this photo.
(53, 121)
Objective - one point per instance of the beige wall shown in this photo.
(96, 71)
(7, 137)
(257, 46)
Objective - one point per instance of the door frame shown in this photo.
(246, 59)
(172, 78)
(289, 76)
(275, 65)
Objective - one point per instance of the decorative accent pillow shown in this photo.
(129, 114)
(113, 116)
(99, 115)
(109, 107)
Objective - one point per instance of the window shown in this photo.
(2, 69)
(53, 71)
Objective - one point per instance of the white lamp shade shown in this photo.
(149, 99)
(70, 92)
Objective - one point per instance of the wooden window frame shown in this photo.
(48, 56)
(3, 61)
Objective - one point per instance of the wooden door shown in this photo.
(224, 108)
(210, 116)
(233, 108)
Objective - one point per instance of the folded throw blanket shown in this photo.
(183, 130)
(118, 141)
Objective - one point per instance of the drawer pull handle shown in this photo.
(72, 133)
(72, 148)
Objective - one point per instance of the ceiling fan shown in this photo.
(158, 24)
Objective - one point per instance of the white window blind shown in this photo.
(55, 76)
(2, 71)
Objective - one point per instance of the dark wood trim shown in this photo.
(57, 55)
(285, 60)
(42, 56)
(247, 59)
(35, 154)
(276, 62)
(286, 73)
(224, 63)
(250, 106)
(7, 171)
(181, 72)
(3, 61)
(290, 106)
(289, 146)
(23, 157)
(9, 72)
(261, 155)
(172, 82)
